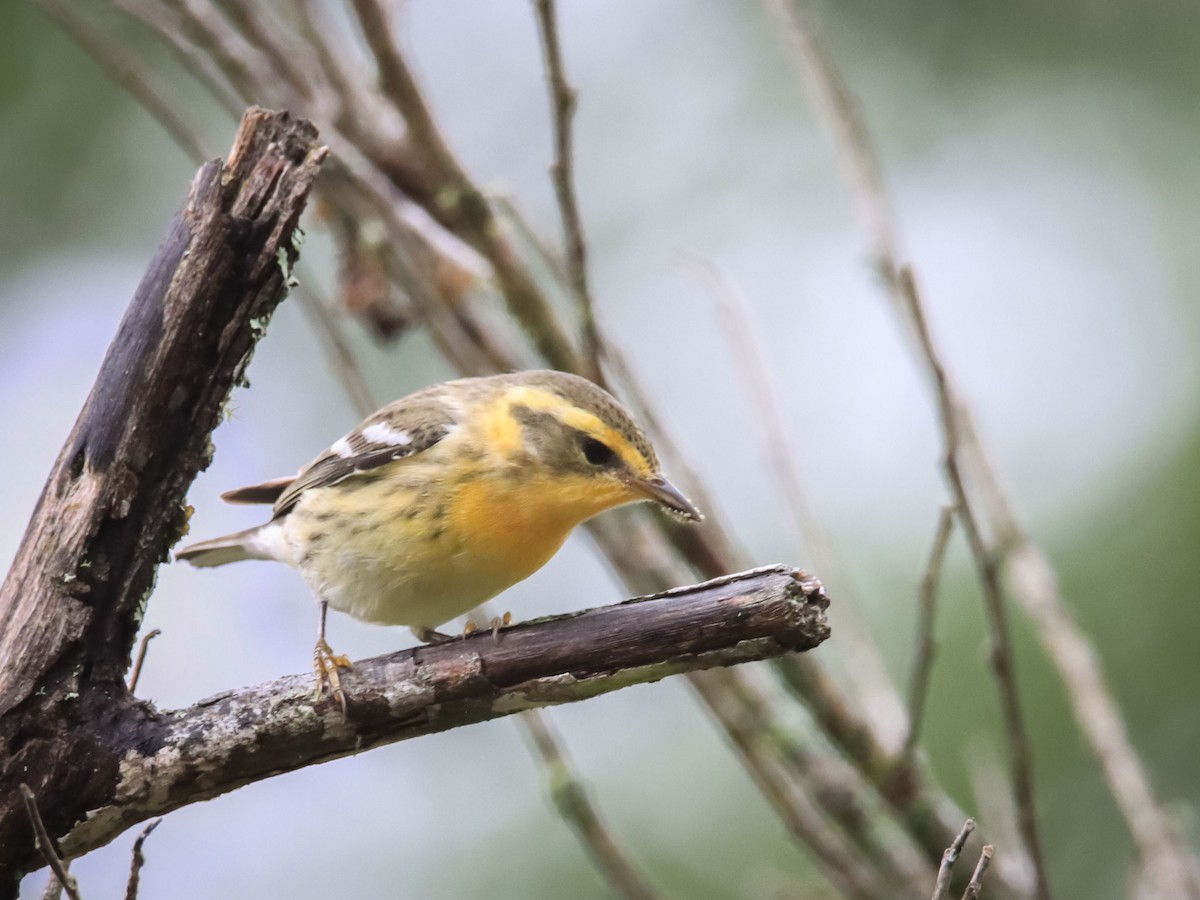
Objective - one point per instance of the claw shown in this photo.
(326, 664)
(470, 628)
(499, 622)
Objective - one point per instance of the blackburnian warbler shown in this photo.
(441, 500)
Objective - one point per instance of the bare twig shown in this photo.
(141, 658)
(125, 70)
(46, 845)
(571, 799)
(976, 883)
(54, 888)
(949, 858)
(563, 100)
(926, 644)
(139, 860)
(745, 716)
(1169, 866)
(201, 66)
(871, 681)
(841, 115)
(342, 361)
(451, 197)
(269, 37)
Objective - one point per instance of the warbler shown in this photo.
(441, 500)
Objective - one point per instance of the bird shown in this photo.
(441, 500)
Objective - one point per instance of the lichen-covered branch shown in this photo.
(170, 759)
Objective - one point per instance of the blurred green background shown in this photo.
(1044, 168)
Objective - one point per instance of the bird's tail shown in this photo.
(246, 544)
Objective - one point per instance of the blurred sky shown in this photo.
(1044, 169)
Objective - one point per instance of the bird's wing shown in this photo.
(398, 431)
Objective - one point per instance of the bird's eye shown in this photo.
(597, 452)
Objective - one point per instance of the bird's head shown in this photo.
(577, 444)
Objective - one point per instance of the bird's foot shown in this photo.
(327, 664)
(496, 623)
(499, 622)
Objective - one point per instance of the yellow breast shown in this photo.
(515, 524)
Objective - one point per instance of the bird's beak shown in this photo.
(662, 491)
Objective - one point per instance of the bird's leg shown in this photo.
(326, 663)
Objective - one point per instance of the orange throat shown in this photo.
(517, 525)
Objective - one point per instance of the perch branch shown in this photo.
(170, 759)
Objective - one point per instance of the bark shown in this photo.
(116, 498)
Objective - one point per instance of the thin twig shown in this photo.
(125, 70)
(976, 883)
(454, 199)
(46, 845)
(833, 100)
(53, 889)
(339, 355)
(993, 797)
(949, 858)
(746, 718)
(200, 65)
(563, 100)
(571, 799)
(1171, 869)
(270, 38)
(139, 860)
(871, 681)
(141, 658)
(926, 615)
(510, 212)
